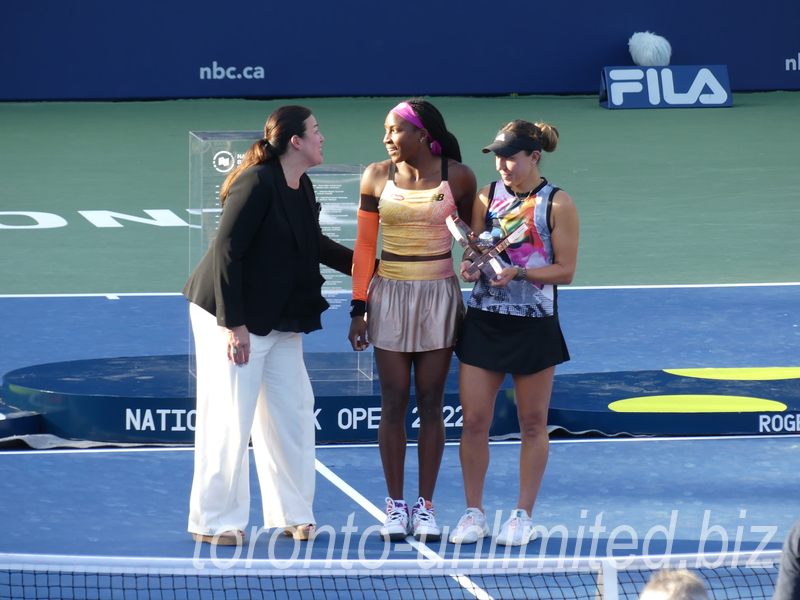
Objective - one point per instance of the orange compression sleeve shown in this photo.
(364, 252)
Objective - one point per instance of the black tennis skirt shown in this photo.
(511, 344)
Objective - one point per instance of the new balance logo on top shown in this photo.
(658, 87)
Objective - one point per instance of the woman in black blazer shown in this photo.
(254, 292)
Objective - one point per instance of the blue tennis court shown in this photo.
(608, 328)
(690, 493)
(600, 496)
(662, 285)
(637, 497)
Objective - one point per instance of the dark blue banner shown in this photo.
(100, 50)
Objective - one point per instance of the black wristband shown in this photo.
(358, 308)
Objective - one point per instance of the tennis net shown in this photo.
(727, 576)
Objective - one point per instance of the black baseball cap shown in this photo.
(508, 144)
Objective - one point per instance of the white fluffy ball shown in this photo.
(649, 50)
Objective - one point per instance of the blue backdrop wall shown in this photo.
(98, 49)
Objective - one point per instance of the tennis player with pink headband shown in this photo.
(413, 304)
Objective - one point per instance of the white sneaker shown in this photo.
(423, 523)
(395, 527)
(471, 527)
(518, 530)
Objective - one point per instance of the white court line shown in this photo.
(345, 446)
(350, 491)
(598, 440)
(110, 295)
(104, 450)
(678, 438)
(675, 286)
(359, 498)
(345, 291)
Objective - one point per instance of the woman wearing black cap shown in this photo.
(512, 324)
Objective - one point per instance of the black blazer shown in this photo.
(264, 260)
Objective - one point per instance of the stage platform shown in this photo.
(151, 399)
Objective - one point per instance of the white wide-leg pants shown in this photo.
(269, 400)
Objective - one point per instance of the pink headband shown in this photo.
(405, 110)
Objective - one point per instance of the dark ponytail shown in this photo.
(434, 122)
(281, 126)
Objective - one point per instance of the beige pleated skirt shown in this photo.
(414, 316)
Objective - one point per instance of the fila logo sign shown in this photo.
(663, 87)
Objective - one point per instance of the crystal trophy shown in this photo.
(480, 249)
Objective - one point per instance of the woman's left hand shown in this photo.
(505, 276)
(466, 276)
(239, 345)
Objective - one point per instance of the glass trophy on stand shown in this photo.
(213, 155)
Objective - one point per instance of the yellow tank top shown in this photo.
(413, 224)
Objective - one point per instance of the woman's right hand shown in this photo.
(239, 345)
(358, 334)
(469, 278)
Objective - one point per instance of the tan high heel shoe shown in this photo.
(303, 532)
(226, 538)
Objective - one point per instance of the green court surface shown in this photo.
(672, 196)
